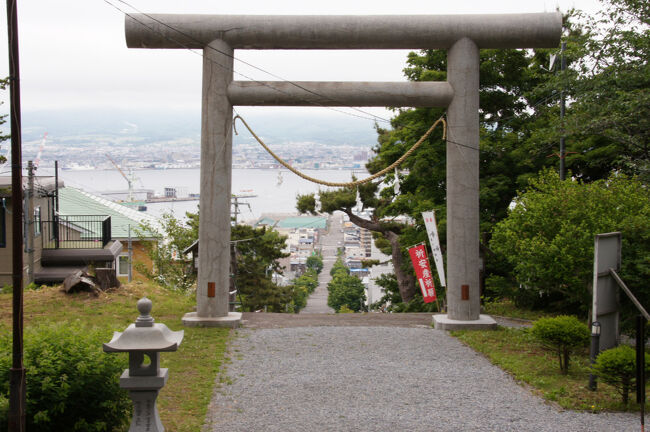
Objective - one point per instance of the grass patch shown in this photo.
(183, 402)
(517, 352)
(507, 308)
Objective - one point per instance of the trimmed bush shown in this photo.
(72, 385)
(617, 367)
(562, 334)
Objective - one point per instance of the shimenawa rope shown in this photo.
(346, 184)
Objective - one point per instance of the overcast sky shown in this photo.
(73, 53)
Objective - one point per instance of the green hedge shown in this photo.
(72, 385)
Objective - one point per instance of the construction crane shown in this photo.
(128, 180)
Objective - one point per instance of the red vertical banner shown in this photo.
(423, 272)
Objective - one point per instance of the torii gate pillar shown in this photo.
(212, 308)
(463, 292)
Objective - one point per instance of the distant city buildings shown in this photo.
(86, 153)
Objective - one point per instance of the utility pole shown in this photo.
(130, 256)
(55, 216)
(17, 387)
(562, 109)
(29, 222)
(235, 202)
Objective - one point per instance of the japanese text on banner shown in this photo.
(423, 272)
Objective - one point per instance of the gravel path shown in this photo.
(378, 379)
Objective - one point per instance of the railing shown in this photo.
(76, 232)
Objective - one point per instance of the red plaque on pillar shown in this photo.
(211, 289)
(464, 292)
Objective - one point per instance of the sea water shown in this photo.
(275, 190)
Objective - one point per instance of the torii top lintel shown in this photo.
(531, 30)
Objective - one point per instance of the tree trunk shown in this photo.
(405, 280)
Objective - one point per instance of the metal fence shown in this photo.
(76, 232)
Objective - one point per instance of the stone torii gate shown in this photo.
(462, 35)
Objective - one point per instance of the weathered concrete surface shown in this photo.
(463, 181)
(303, 93)
(231, 320)
(534, 30)
(483, 322)
(216, 167)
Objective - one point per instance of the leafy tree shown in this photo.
(345, 290)
(548, 238)
(171, 268)
(257, 253)
(606, 83)
(255, 256)
(303, 285)
(315, 262)
(308, 280)
(339, 267)
(392, 298)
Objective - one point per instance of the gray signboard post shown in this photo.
(607, 255)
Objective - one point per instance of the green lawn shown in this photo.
(192, 369)
(507, 308)
(516, 352)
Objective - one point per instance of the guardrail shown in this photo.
(76, 232)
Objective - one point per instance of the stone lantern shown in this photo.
(144, 341)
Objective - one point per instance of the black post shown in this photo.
(593, 352)
(55, 216)
(17, 387)
(562, 110)
(640, 366)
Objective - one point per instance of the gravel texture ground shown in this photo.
(378, 379)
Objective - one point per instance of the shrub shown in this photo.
(72, 384)
(315, 262)
(617, 367)
(562, 334)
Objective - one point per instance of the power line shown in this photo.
(372, 116)
(266, 84)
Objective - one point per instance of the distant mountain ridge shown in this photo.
(163, 125)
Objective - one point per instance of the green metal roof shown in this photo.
(266, 221)
(318, 222)
(77, 202)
